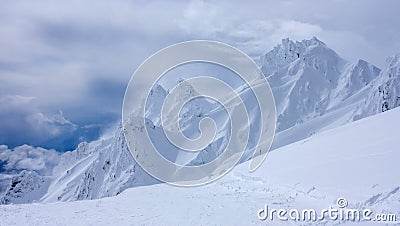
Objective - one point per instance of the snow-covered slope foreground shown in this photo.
(358, 162)
(314, 90)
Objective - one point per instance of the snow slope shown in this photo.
(358, 161)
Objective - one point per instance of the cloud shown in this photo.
(26, 157)
(22, 122)
(254, 35)
(61, 53)
(263, 23)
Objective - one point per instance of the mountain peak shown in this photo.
(287, 42)
(362, 62)
(315, 41)
(287, 52)
(303, 43)
(393, 61)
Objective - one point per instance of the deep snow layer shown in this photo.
(358, 161)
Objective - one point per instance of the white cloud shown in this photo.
(26, 157)
(262, 24)
(254, 36)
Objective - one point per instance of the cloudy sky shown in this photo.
(64, 65)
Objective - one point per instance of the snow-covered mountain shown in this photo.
(385, 93)
(97, 169)
(309, 174)
(309, 79)
(314, 89)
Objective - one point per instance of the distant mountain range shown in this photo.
(314, 89)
